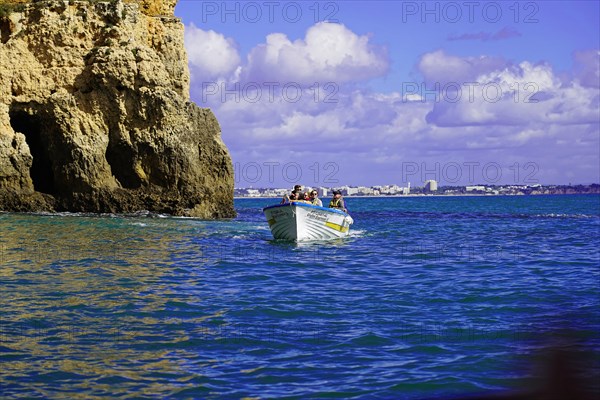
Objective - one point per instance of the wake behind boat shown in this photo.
(300, 221)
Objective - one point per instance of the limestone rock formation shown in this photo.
(95, 113)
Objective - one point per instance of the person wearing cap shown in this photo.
(337, 201)
(314, 200)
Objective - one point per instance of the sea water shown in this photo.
(429, 297)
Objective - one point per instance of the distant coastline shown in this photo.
(387, 196)
(395, 191)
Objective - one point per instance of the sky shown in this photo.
(364, 93)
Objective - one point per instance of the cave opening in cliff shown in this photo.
(119, 157)
(4, 30)
(27, 122)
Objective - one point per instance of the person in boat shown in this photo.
(338, 202)
(314, 199)
(292, 197)
(297, 191)
(303, 198)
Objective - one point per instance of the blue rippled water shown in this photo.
(430, 297)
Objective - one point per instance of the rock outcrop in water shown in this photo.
(95, 113)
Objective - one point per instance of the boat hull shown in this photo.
(300, 221)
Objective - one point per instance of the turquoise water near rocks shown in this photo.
(430, 297)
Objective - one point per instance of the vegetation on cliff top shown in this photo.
(7, 8)
(148, 7)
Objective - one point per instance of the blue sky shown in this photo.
(381, 92)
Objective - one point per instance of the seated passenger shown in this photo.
(314, 199)
(287, 199)
(337, 201)
(292, 197)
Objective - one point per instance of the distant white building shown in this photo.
(322, 192)
(365, 191)
(406, 190)
(349, 191)
(475, 188)
(430, 186)
(395, 189)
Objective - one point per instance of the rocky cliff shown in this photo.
(95, 113)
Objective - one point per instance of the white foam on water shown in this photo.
(565, 216)
(357, 233)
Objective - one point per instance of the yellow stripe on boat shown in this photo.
(337, 227)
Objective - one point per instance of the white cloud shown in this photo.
(439, 67)
(526, 94)
(514, 77)
(211, 55)
(329, 52)
(587, 68)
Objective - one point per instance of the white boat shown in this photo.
(300, 221)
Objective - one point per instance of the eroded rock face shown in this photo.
(95, 113)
